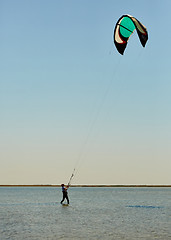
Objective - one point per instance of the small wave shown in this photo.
(143, 206)
(28, 203)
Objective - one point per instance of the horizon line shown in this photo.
(86, 185)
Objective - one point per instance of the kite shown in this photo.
(124, 28)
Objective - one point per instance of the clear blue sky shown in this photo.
(69, 99)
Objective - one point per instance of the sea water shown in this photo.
(94, 213)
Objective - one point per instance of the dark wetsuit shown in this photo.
(65, 194)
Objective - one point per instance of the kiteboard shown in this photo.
(65, 204)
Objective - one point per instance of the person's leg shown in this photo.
(67, 199)
(63, 198)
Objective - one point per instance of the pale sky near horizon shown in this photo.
(69, 99)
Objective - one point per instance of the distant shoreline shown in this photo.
(51, 185)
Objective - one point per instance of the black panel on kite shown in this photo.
(125, 26)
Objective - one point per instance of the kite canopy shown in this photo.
(125, 26)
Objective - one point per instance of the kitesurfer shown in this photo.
(65, 193)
